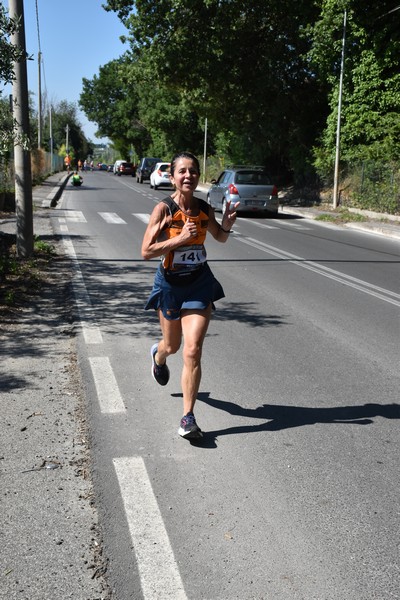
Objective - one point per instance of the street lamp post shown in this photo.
(205, 151)
(339, 116)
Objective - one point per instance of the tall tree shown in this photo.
(241, 65)
(65, 113)
(110, 99)
(8, 52)
(371, 91)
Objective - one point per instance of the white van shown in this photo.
(116, 165)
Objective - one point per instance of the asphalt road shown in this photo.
(293, 494)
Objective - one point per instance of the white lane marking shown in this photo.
(142, 217)
(159, 574)
(75, 216)
(295, 225)
(108, 393)
(358, 284)
(112, 218)
(64, 228)
(91, 332)
(263, 225)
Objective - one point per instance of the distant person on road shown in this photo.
(76, 178)
(67, 162)
(184, 288)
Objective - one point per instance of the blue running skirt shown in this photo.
(172, 298)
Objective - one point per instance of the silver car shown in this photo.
(250, 186)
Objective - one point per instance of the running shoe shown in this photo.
(159, 372)
(188, 427)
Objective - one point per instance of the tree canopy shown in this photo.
(265, 73)
(8, 52)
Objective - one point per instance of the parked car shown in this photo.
(160, 175)
(145, 167)
(110, 168)
(251, 186)
(116, 166)
(126, 168)
(102, 166)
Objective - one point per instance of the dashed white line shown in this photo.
(91, 332)
(108, 393)
(158, 571)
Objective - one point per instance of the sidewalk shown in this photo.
(50, 539)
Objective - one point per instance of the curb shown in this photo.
(56, 192)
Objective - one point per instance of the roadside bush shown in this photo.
(376, 186)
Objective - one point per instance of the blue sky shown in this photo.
(76, 38)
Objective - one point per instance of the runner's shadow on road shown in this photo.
(278, 417)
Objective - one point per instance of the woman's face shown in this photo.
(186, 175)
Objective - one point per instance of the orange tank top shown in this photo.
(193, 254)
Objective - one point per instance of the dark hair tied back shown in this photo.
(188, 155)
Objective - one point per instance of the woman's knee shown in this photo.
(192, 351)
(172, 347)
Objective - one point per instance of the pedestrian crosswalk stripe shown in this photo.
(142, 217)
(74, 216)
(112, 218)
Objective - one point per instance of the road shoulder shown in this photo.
(51, 543)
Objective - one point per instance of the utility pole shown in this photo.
(51, 140)
(337, 156)
(40, 115)
(67, 139)
(22, 158)
(205, 151)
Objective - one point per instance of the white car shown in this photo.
(116, 166)
(160, 175)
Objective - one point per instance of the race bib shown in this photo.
(189, 256)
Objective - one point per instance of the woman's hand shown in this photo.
(229, 217)
(189, 230)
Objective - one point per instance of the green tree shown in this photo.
(243, 65)
(8, 52)
(110, 99)
(65, 113)
(8, 55)
(371, 92)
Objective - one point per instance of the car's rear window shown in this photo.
(252, 178)
(164, 167)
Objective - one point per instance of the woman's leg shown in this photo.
(194, 329)
(171, 338)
